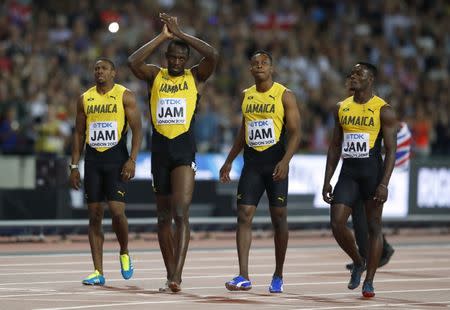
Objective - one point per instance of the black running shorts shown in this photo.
(359, 178)
(103, 181)
(255, 179)
(162, 165)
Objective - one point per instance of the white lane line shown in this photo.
(384, 306)
(158, 260)
(100, 291)
(295, 248)
(328, 272)
(184, 301)
(265, 258)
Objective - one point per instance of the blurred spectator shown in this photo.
(47, 48)
(9, 136)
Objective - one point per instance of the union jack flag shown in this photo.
(403, 153)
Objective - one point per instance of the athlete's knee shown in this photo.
(375, 228)
(95, 217)
(164, 218)
(245, 217)
(118, 217)
(279, 220)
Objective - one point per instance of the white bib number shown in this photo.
(260, 133)
(355, 145)
(103, 134)
(171, 111)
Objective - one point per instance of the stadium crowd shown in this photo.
(47, 49)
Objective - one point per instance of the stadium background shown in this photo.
(47, 52)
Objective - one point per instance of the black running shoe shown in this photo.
(386, 256)
(355, 278)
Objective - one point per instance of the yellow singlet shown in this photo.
(264, 116)
(361, 126)
(173, 101)
(105, 117)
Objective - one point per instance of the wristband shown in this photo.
(383, 185)
(131, 158)
(73, 166)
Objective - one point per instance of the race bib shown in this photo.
(171, 111)
(260, 133)
(355, 145)
(103, 134)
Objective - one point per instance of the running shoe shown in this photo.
(349, 267)
(94, 278)
(355, 278)
(126, 266)
(238, 283)
(367, 289)
(165, 287)
(386, 256)
(276, 286)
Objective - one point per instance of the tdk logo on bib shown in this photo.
(259, 123)
(102, 125)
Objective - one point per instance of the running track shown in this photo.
(47, 275)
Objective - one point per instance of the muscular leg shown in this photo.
(95, 233)
(244, 236)
(374, 212)
(119, 224)
(165, 235)
(359, 221)
(342, 234)
(281, 236)
(182, 179)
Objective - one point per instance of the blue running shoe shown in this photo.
(367, 289)
(126, 266)
(238, 283)
(276, 286)
(355, 278)
(94, 278)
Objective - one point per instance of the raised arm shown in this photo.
(389, 127)
(333, 156)
(134, 120)
(79, 139)
(203, 70)
(292, 116)
(136, 61)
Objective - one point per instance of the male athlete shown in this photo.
(270, 113)
(362, 121)
(104, 113)
(174, 93)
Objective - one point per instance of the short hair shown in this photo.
(262, 52)
(181, 44)
(372, 69)
(108, 61)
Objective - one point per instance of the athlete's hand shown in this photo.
(327, 193)
(128, 170)
(381, 194)
(225, 172)
(75, 180)
(171, 22)
(165, 31)
(281, 171)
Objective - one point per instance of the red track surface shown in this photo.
(47, 275)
